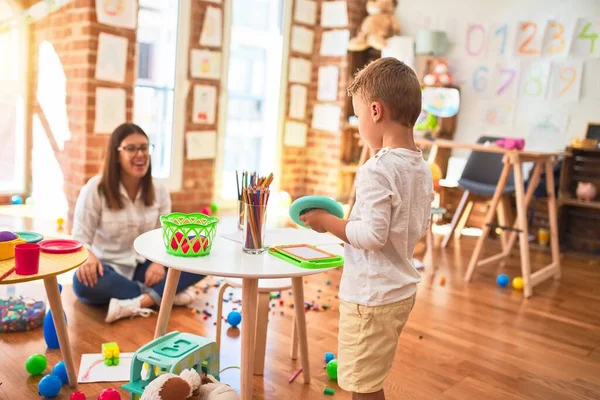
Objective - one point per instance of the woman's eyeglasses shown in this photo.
(132, 149)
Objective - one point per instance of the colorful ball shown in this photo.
(518, 283)
(234, 318)
(109, 394)
(329, 357)
(49, 386)
(502, 280)
(332, 367)
(60, 371)
(16, 199)
(36, 364)
(77, 396)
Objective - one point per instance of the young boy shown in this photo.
(394, 191)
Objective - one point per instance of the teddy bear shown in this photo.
(377, 27)
(188, 385)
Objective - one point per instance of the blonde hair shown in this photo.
(393, 83)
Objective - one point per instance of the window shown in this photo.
(253, 90)
(13, 87)
(155, 86)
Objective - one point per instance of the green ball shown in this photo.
(332, 367)
(36, 364)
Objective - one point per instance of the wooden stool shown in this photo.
(265, 287)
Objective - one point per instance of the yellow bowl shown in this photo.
(7, 249)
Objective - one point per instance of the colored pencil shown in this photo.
(255, 196)
(7, 273)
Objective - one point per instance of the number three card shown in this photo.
(566, 81)
(558, 38)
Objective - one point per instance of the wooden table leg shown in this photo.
(166, 304)
(522, 225)
(554, 239)
(489, 217)
(249, 302)
(58, 316)
(262, 322)
(298, 289)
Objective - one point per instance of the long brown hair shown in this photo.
(111, 173)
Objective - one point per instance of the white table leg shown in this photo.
(58, 316)
(249, 303)
(298, 289)
(166, 304)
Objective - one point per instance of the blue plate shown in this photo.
(30, 237)
(307, 203)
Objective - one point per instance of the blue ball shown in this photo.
(49, 386)
(16, 199)
(60, 371)
(329, 357)
(502, 280)
(234, 318)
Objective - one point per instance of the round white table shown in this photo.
(227, 259)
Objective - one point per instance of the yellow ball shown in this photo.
(436, 171)
(518, 283)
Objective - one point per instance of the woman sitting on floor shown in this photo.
(112, 210)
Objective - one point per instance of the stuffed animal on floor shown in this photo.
(377, 27)
(189, 385)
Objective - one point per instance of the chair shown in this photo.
(265, 287)
(480, 177)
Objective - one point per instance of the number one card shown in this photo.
(566, 81)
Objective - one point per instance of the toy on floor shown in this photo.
(16, 199)
(171, 353)
(60, 371)
(307, 203)
(328, 391)
(78, 396)
(36, 364)
(109, 394)
(188, 385)
(49, 330)
(332, 368)
(49, 386)
(502, 280)
(329, 357)
(234, 318)
(517, 283)
(111, 352)
(59, 223)
(21, 314)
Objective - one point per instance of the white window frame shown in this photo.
(223, 103)
(182, 85)
(21, 159)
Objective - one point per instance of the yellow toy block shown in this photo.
(111, 352)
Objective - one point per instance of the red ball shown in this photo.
(109, 394)
(176, 239)
(195, 244)
(206, 211)
(77, 396)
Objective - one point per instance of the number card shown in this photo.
(566, 80)
(501, 38)
(480, 79)
(506, 80)
(586, 40)
(558, 38)
(535, 80)
(530, 38)
(476, 40)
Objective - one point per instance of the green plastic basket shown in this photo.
(181, 231)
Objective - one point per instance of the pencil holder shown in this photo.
(188, 235)
(255, 218)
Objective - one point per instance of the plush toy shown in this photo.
(439, 75)
(377, 27)
(188, 385)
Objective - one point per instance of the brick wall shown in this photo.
(314, 169)
(73, 32)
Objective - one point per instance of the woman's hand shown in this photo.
(89, 271)
(154, 274)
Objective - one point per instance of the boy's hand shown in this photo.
(315, 219)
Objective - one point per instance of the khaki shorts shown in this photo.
(368, 337)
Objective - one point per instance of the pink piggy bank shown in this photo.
(586, 191)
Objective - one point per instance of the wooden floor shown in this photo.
(462, 341)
